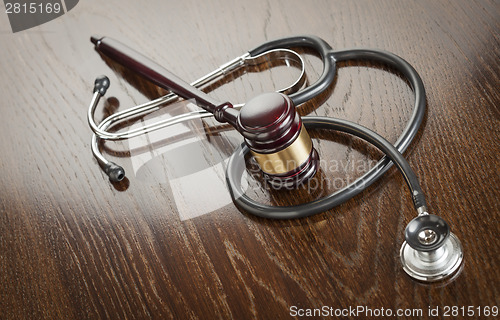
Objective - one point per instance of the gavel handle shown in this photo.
(163, 78)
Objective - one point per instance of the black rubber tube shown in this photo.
(329, 58)
(236, 165)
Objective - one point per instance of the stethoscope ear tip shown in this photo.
(101, 85)
(115, 172)
(431, 252)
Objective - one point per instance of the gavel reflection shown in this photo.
(269, 123)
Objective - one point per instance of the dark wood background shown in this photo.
(74, 246)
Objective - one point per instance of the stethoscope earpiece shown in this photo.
(431, 252)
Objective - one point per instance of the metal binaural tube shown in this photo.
(101, 131)
(269, 122)
(288, 57)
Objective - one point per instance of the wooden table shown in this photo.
(168, 242)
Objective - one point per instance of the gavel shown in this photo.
(269, 123)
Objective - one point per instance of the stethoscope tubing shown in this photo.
(330, 58)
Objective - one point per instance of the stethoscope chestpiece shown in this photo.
(431, 252)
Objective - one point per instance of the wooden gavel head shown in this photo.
(278, 140)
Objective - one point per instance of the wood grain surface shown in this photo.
(167, 243)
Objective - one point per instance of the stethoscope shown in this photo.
(277, 138)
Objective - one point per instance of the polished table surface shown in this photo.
(167, 242)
